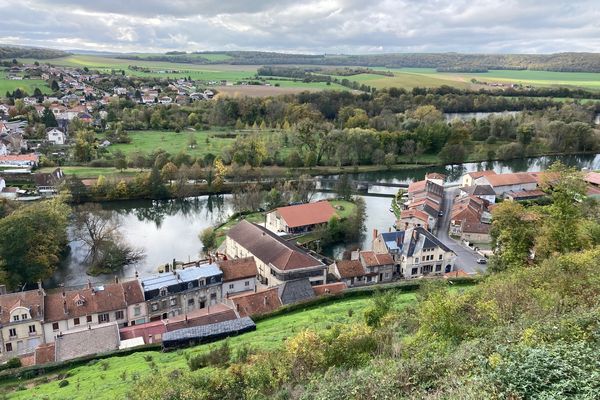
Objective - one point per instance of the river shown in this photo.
(169, 229)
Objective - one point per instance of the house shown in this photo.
(364, 268)
(55, 136)
(85, 341)
(256, 303)
(22, 317)
(177, 292)
(469, 178)
(503, 183)
(425, 200)
(19, 160)
(436, 178)
(378, 265)
(411, 218)
(470, 219)
(47, 183)
(65, 311)
(165, 100)
(277, 260)
(484, 192)
(239, 275)
(416, 252)
(299, 218)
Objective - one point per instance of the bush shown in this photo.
(218, 357)
(63, 383)
(14, 362)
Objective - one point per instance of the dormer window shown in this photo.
(163, 291)
(190, 285)
(23, 316)
(15, 318)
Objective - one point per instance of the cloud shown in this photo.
(311, 26)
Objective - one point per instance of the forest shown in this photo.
(562, 62)
(10, 52)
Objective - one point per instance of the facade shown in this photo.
(65, 311)
(22, 317)
(424, 204)
(239, 275)
(178, 292)
(416, 252)
(364, 268)
(299, 218)
(55, 136)
(277, 260)
(470, 219)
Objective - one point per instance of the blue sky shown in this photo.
(313, 26)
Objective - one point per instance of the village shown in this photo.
(443, 231)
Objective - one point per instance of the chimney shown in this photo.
(40, 288)
(63, 291)
(375, 233)
(89, 284)
(65, 306)
(390, 229)
(137, 275)
(255, 289)
(167, 267)
(237, 307)
(174, 264)
(116, 279)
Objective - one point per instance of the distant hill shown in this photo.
(9, 52)
(449, 62)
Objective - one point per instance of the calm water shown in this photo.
(169, 229)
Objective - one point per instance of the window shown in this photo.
(23, 316)
(201, 282)
(191, 302)
(231, 286)
(55, 326)
(247, 283)
(12, 332)
(163, 292)
(414, 271)
(438, 268)
(8, 346)
(88, 318)
(137, 311)
(154, 306)
(15, 317)
(31, 328)
(190, 285)
(213, 296)
(174, 301)
(441, 256)
(76, 321)
(119, 314)
(369, 279)
(103, 318)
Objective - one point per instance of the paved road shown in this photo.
(466, 259)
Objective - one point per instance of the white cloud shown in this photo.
(332, 26)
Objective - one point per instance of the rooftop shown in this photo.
(517, 178)
(190, 274)
(307, 214)
(238, 268)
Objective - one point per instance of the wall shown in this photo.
(239, 286)
(68, 324)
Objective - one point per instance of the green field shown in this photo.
(105, 379)
(28, 85)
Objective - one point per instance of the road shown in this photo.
(466, 258)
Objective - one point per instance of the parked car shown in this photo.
(482, 261)
(441, 214)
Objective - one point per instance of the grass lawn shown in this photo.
(113, 377)
(221, 231)
(93, 172)
(27, 85)
(172, 142)
(344, 208)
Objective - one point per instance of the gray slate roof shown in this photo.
(211, 330)
(296, 291)
(98, 339)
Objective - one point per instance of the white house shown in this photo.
(55, 136)
(504, 183)
(469, 178)
(239, 275)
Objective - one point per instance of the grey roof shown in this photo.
(210, 331)
(412, 240)
(83, 342)
(479, 190)
(180, 276)
(296, 291)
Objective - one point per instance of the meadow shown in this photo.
(28, 85)
(113, 377)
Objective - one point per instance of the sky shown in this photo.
(311, 26)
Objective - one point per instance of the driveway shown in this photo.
(466, 258)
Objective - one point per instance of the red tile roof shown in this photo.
(479, 174)
(350, 268)
(330, 288)
(372, 259)
(517, 178)
(307, 214)
(238, 268)
(257, 303)
(20, 157)
(31, 299)
(414, 213)
(593, 178)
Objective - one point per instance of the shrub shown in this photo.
(63, 383)
(218, 357)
